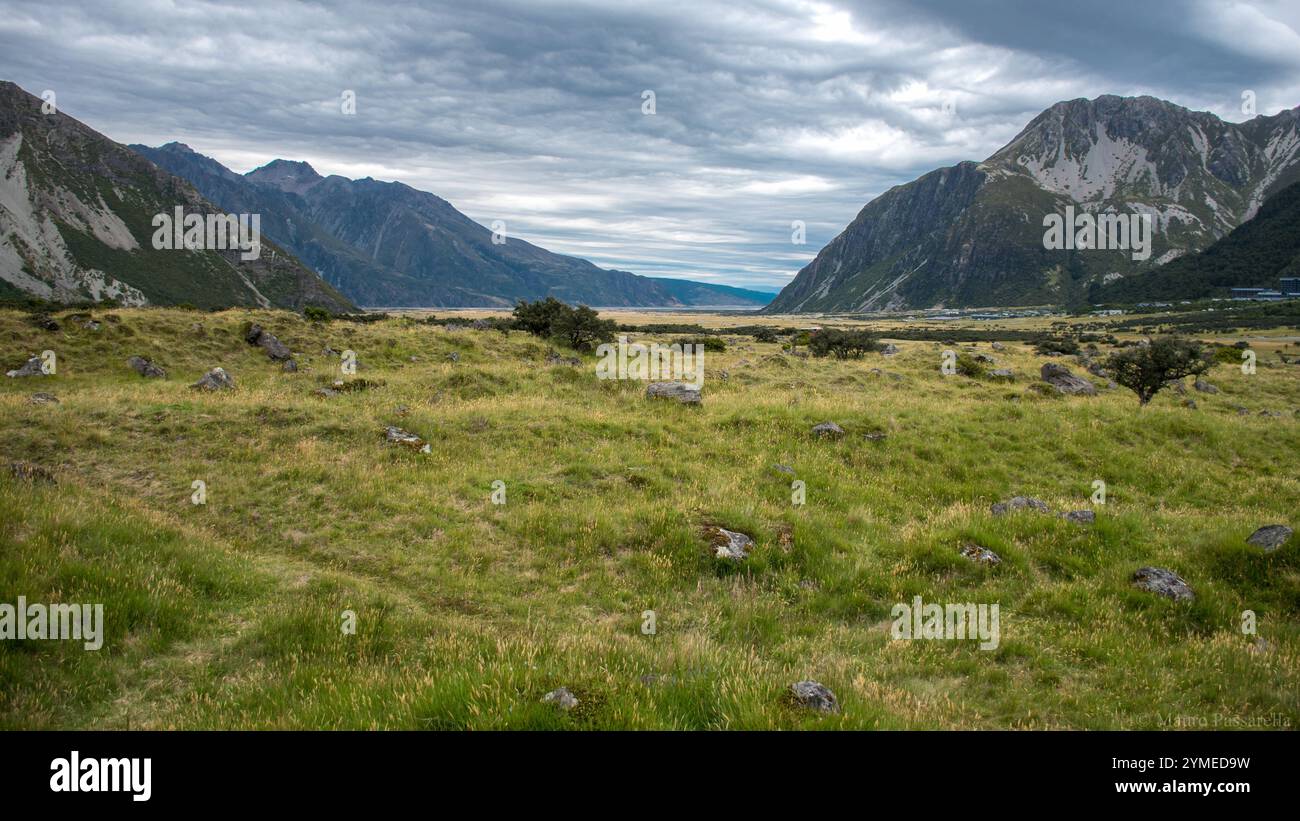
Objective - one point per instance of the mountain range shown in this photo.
(973, 234)
(76, 224)
(387, 244)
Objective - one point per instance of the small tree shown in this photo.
(582, 328)
(1146, 369)
(539, 318)
(765, 335)
(842, 344)
(314, 313)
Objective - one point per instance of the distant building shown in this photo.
(1288, 288)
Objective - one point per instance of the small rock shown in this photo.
(1059, 377)
(1204, 387)
(275, 349)
(146, 368)
(1163, 582)
(454, 356)
(553, 358)
(682, 392)
(41, 398)
(876, 436)
(215, 380)
(397, 436)
(786, 469)
(1270, 537)
(814, 696)
(998, 346)
(980, 555)
(561, 697)
(30, 472)
(289, 366)
(728, 544)
(827, 430)
(889, 350)
(1080, 517)
(1018, 503)
(326, 392)
(1189, 404)
(45, 322)
(32, 367)
(1002, 373)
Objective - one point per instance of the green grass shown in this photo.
(228, 615)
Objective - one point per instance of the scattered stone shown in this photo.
(1178, 386)
(397, 436)
(326, 392)
(328, 351)
(1002, 373)
(1243, 411)
(146, 368)
(1204, 387)
(728, 544)
(1059, 377)
(1190, 404)
(786, 469)
(876, 436)
(275, 349)
(32, 367)
(984, 358)
(1096, 368)
(42, 398)
(29, 472)
(1019, 503)
(1271, 413)
(45, 322)
(682, 392)
(1163, 582)
(827, 430)
(980, 555)
(215, 380)
(562, 698)
(1270, 537)
(289, 366)
(889, 350)
(814, 696)
(454, 356)
(1080, 517)
(998, 346)
(553, 357)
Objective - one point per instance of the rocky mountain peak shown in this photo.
(288, 175)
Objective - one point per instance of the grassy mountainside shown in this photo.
(228, 614)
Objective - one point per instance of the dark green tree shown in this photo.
(1145, 369)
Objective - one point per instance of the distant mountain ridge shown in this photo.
(387, 244)
(76, 212)
(972, 234)
(1256, 254)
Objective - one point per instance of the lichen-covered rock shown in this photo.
(32, 367)
(562, 698)
(1016, 503)
(728, 544)
(980, 555)
(827, 430)
(814, 695)
(146, 368)
(681, 391)
(1270, 537)
(396, 436)
(1080, 517)
(1059, 377)
(215, 380)
(1163, 582)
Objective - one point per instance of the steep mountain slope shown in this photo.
(1256, 254)
(76, 212)
(387, 244)
(972, 234)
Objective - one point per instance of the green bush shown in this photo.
(315, 314)
(841, 344)
(1148, 368)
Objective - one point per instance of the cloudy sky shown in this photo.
(765, 111)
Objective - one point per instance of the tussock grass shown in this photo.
(228, 615)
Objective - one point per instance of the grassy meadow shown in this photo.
(228, 614)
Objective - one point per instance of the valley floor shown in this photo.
(229, 614)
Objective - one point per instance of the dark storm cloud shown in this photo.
(767, 112)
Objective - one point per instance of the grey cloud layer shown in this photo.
(767, 112)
